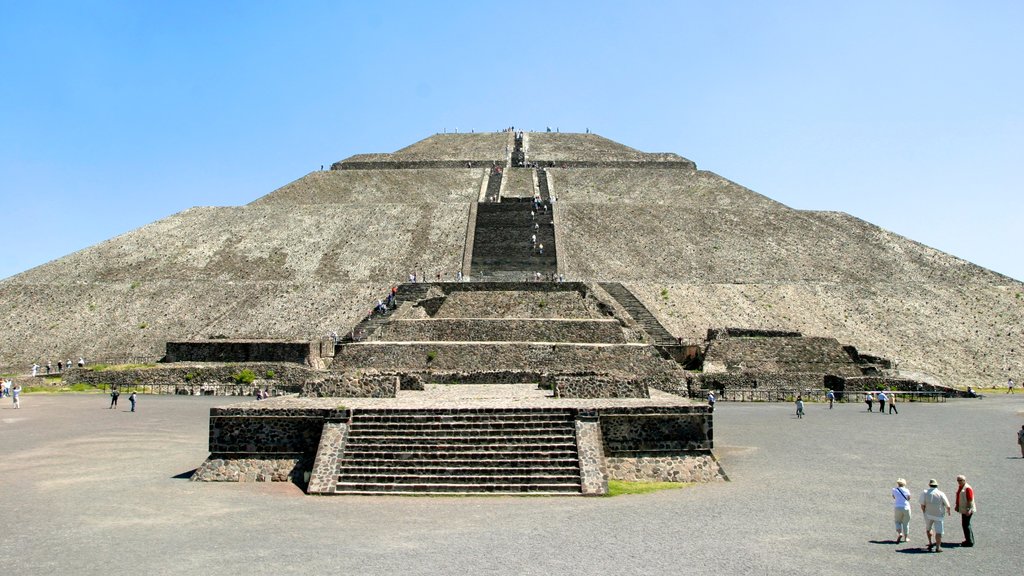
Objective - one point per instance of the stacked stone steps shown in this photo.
(460, 451)
(640, 313)
(542, 186)
(502, 242)
(493, 193)
(366, 327)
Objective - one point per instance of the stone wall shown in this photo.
(701, 383)
(307, 353)
(873, 383)
(323, 478)
(642, 431)
(598, 386)
(251, 469)
(353, 385)
(786, 355)
(642, 361)
(661, 468)
(199, 379)
(590, 450)
(503, 330)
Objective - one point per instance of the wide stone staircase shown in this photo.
(640, 313)
(461, 451)
(502, 242)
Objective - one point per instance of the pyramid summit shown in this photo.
(697, 250)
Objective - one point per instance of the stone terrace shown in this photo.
(590, 149)
(425, 186)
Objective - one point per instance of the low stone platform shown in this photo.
(501, 441)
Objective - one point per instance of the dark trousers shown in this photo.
(868, 402)
(892, 408)
(965, 523)
(881, 406)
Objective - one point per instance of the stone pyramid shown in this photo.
(698, 250)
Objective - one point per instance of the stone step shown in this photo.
(377, 428)
(508, 443)
(417, 423)
(411, 476)
(464, 455)
(367, 488)
(430, 464)
(456, 414)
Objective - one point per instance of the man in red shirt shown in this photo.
(965, 506)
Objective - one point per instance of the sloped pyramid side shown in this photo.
(298, 271)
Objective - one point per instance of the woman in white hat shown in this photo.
(901, 508)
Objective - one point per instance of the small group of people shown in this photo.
(11, 390)
(115, 394)
(935, 507)
(882, 398)
(262, 394)
(61, 366)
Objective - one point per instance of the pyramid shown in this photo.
(698, 250)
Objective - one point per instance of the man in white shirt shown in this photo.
(935, 507)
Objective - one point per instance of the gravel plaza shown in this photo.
(90, 490)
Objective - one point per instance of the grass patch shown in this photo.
(620, 487)
(119, 367)
(61, 389)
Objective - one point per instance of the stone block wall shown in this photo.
(353, 386)
(642, 431)
(674, 468)
(307, 353)
(503, 330)
(206, 379)
(701, 383)
(590, 449)
(598, 386)
(797, 354)
(638, 360)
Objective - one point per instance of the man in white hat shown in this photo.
(935, 507)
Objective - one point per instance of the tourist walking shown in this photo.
(16, 395)
(1020, 440)
(711, 400)
(935, 507)
(892, 404)
(831, 396)
(1009, 386)
(966, 507)
(114, 393)
(799, 406)
(868, 399)
(5, 388)
(132, 399)
(901, 510)
(881, 401)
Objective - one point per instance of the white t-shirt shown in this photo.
(901, 498)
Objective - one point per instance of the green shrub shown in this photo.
(245, 376)
(189, 376)
(270, 374)
(431, 356)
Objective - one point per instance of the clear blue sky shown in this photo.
(909, 115)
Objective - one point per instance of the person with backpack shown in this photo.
(114, 393)
(901, 509)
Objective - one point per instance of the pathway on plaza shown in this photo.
(89, 490)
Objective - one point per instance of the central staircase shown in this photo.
(460, 451)
(502, 242)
